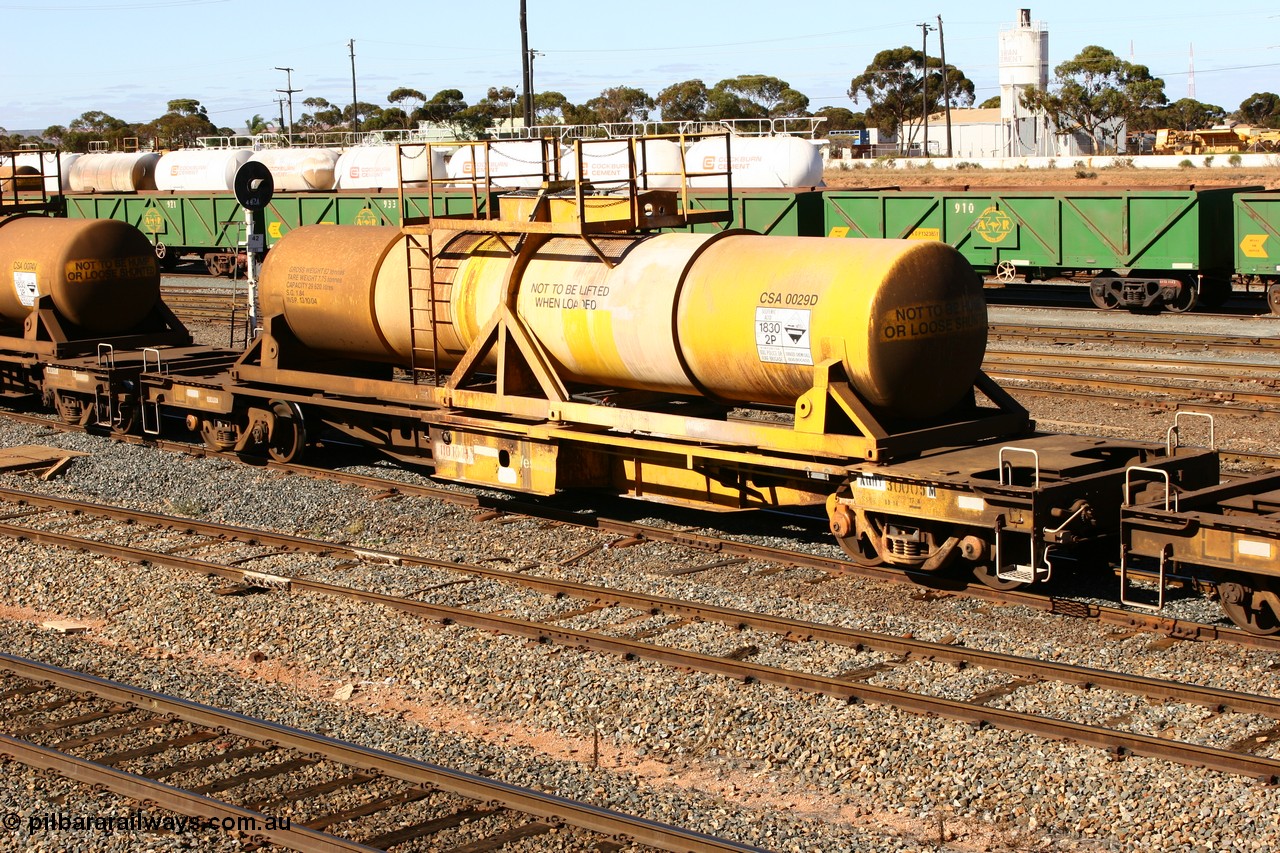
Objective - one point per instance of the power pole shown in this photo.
(355, 104)
(925, 29)
(526, 66)
(533, 113)
(946, 82)
(280, 103)
(289, 93)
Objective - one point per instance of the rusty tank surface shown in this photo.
(737, 317)
(102, 274)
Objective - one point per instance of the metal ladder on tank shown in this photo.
(428, 311)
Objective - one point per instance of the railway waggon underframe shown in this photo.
(972, 491)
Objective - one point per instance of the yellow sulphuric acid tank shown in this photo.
(102, 273)
(735, 316)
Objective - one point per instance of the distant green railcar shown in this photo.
(287, 211)
(1139, 248)
(1257, 241)
(781, 212)
(211, 225)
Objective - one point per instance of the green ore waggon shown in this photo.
(1140, 249)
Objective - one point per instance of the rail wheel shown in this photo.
(1103, 297)
(843, 526)
(1252, 603)
(289, 437)
(1273, 298)
(1006, 272)
(1184, 301)
(126, 418)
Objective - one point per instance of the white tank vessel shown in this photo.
(756, 161)
(607, 160)
(512, 165)
(113, 173)
(370, 167)
(300, 169)
(200, 170)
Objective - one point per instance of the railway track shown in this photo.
(76, 724)
(1249, 342)
(636, 532)
(647, 627)
(206, 303)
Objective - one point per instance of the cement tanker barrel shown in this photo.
(101, 273)
(734, 316)
(113, 173)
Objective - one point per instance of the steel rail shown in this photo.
(1266, 769)
(780, 625)
(524, 800)
(1190, 368)
(1177, 628)
(1180, 340)
(1186, 404)
(172, 799)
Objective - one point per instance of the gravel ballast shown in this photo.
(769, 766)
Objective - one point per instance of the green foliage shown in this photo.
(839, 118)
(1094, 92)
(185, 122)
(1182, 114)
(685, 101)
(621, 104)
(1186, 164)
(992, 103)
(894, 87)
(1235, 160)
(762, 96)
(1261, 109)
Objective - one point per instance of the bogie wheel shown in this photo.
(289, 437)
(845, 530)
(1102, 298)
(1252, 603)
(125, 420)
(1273, 298)
(1185, 300)
(1006, 272)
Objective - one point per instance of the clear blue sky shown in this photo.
(128, 58)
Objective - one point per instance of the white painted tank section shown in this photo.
(298, 169)
(607, 160)
(757, 161)
(374, 167)
(511, 164)
(49, 168)
(200, 169)
(109, 173)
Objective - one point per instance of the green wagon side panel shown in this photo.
(1257, 233)
(781, 212)
(1052, 231)
(359, 207)
(190, 220)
